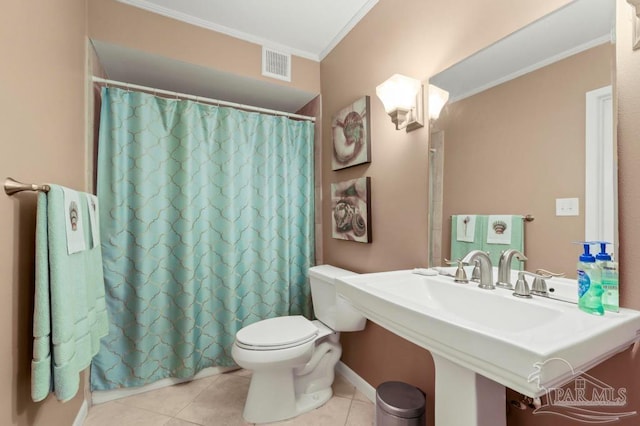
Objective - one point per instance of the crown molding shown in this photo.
(193, 20)
(348, 27)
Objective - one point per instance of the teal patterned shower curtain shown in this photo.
(207, 226)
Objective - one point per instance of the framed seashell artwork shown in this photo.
(351, 210)
(351, 135)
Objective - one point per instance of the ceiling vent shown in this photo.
(276, 64)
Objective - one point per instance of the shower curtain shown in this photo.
(207, 226)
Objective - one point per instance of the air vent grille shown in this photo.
(276, 64)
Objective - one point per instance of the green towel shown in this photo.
(70, 315)
(41, 383)
(460, 248)
(516, 241)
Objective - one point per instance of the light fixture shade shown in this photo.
(398, 92)
(437, 100)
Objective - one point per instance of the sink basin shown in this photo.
(474, 308)
(490, 333)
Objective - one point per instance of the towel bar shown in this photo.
(526, 218)
(12, 186)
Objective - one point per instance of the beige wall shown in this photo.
(421, 43)
(515, 148)
(628, 91)
(42, 94)
(128, 26)
(424, 39)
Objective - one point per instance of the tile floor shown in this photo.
(218, 401)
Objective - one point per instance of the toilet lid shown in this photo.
(277, 332)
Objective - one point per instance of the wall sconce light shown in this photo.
(402, 99)
(437, 100)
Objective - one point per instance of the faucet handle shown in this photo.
(476, 274)
(461, 275)
(548, 274)
(522, 287)
(456, 262)
(539, 286)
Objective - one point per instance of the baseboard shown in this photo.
(360, 383)
(100, 397)
(82, 414)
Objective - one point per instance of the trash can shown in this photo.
(399, 404)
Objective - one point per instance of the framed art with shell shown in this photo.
(351, 135)
(351, 210)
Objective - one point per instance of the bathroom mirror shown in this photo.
(519, 130)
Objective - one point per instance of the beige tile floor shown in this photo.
(218, 401)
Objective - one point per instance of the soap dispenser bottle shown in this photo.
(589, 287)
(608, 279)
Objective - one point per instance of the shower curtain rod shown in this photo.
(100, 80)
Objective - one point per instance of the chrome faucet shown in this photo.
(504, 267)
(486, 268)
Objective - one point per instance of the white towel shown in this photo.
(74, 221)
(499, 229)
(466, 227)
(92, 205)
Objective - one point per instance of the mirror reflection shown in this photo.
(529, 130)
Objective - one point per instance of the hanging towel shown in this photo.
(92, 206)
(499, 229)
(73, 224)
(70, 314)
(504, 232)
(41, 383)
(459, 248)
(466, 228)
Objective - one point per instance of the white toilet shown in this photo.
(292, 358)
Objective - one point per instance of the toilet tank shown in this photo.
(329, 307)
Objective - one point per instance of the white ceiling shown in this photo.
(306, 28)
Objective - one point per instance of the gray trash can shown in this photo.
(399, 404)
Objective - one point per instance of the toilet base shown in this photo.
(310, 401)
(286, 390)
(263, 405)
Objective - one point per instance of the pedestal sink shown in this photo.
(485, 340)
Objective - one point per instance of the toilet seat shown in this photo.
(277, 333)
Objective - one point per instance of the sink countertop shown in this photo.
(529, 345)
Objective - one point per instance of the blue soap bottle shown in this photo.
(589, 286)
(608, 279)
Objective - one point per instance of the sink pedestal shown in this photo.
(467, 398)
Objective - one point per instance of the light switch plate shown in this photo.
(567, 207)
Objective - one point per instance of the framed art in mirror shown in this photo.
(351, 135)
